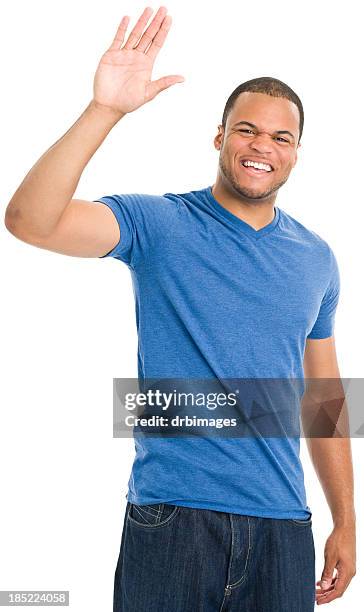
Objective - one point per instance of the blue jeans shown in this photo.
(179, 559)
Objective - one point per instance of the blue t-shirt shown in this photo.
(216, 298)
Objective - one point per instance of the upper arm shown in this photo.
(85, 229)
(320, 359)
(323, 409)
(124, 226)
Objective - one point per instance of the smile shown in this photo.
(259, 166)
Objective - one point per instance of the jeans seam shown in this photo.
(156, 525)
(232, 548)
(152, 510)
(148, 511)
(142, 515)
(303, 522)
(230, 562)
(159, 515)
(235, 584)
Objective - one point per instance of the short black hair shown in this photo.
(271, 87)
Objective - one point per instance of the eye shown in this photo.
(246, 130)
(282, 139)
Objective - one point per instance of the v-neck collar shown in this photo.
(239, 223)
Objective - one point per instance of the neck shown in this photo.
(257, 213)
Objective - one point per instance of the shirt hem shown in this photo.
(220, 507)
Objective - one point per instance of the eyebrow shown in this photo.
(255, 127)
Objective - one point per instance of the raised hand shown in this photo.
(123, 78)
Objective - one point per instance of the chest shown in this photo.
(275, 284)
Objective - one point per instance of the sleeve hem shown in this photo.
(320, 335)
(116, 248)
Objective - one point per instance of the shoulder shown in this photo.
(140, 200)
(145, 205)
(142, 207)
(298, 231)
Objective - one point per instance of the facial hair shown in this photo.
(245, 192)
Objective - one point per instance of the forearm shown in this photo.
(42, 197)
(326, 425)
(332, 460)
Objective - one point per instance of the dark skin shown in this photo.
(251, 197)
(44, 212)
(273, 140)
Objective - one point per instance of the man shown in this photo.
(227, 285)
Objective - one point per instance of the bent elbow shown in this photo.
(14, 224)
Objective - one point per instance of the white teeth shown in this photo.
(258, 165)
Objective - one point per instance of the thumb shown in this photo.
(327, 574)
(155, 87)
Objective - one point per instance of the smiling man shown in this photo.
(256, 160)
(227, 286)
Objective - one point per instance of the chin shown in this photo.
(251, 193)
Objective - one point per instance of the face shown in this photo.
(259, 128)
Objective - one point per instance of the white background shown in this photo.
(67, 324)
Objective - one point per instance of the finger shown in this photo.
(330, 587)
(327, 583)
(137, 31)
(152, 29)
(340, 587)
(120, 34)
(320, 592)
(321, 595)
(160, 37)
(327, 574)
(155, 87)
(327, 597)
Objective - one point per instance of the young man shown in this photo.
(234, 287)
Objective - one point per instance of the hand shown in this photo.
(123, 78)
(339, 554)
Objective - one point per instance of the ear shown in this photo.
(296, 155)
(218, 140)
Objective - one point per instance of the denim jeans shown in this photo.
(179, 559)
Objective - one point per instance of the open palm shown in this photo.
(123, 77)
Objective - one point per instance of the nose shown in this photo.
(262, 142)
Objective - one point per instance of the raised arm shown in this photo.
(42, 211)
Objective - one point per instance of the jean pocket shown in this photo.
(303, 522)
(152, 515)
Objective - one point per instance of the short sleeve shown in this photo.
(325, 322)
(143, 220)
(123, 208)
